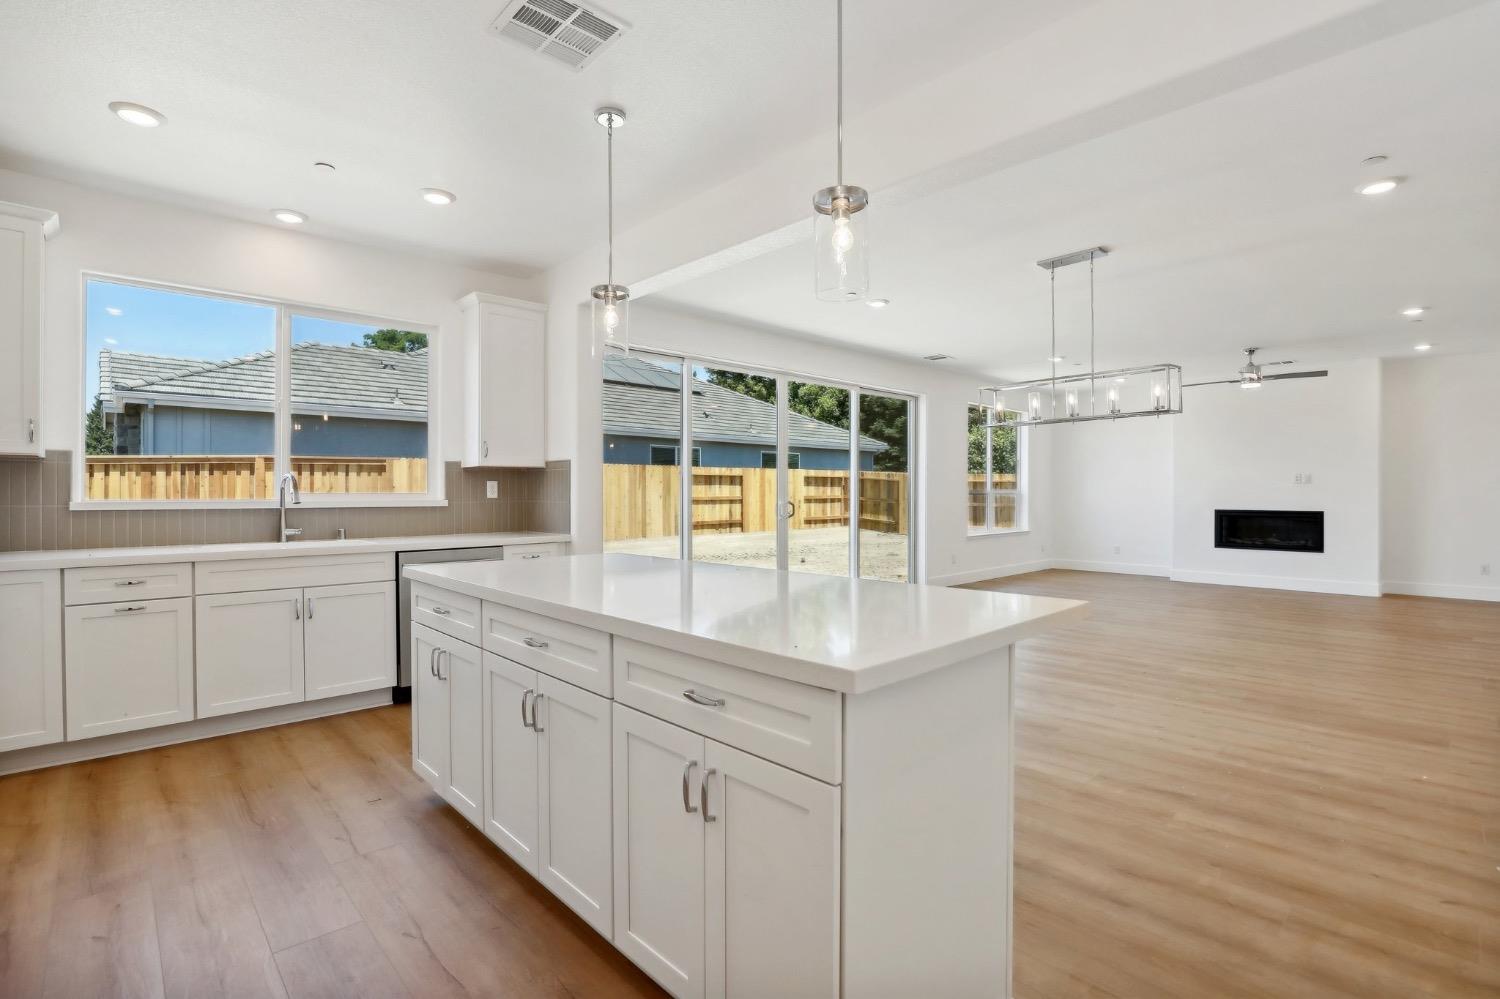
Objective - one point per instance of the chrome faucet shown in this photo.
(289, 479)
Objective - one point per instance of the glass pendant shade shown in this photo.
(611, 318)
(842, 244)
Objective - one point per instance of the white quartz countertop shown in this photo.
(73, 558)
(849, 635)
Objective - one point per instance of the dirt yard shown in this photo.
(822, 550)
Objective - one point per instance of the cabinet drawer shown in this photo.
(567, 651)
(454, 614)
(781, 720)
(107, 584)
(547, 550)
(242, 575)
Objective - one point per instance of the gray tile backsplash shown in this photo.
(34, 514)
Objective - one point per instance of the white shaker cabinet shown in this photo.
(505, 344)
(511, 815)
(130, 666)
(249, 651)
(448, 723)
(659, 850)
(31, 666)
(22, 233)
(349, 638)
(573, 729)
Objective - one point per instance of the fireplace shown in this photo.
(1269, 530)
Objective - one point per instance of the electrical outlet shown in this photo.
(1117, 549)
(492, 489)
(1297, 479)
(1484, 570)
(1307, 478)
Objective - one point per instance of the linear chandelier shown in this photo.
(1151, 390)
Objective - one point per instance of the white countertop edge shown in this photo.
(813, 674)
(76, 558)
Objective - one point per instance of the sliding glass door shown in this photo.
(733, 465)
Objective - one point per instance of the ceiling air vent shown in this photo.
(565, 31)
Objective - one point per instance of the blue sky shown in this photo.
(151, 321)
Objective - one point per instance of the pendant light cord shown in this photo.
(840, 172)
(609, 145)
(1092, 366)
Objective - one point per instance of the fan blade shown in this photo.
(1227, 381)
(1267, 364)
(1295, 374)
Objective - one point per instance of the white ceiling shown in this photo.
(1233, 223)
(405, 94)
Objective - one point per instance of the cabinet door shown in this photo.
(772, 895)
(31, 668)
(575, 781)
(504, 425)
(249, 651)
(461, 670)
(658, 831)
(429, 709)
(130, 666)
(510, 759)
(20, 335)
(350, 638)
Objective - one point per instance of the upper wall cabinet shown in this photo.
(505, 344)
(22, 232)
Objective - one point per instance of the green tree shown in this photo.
(1004, 455)
(398, 341)
(96, 436)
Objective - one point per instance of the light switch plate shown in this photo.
(492, 489)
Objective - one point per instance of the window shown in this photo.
(996, 459)
(663, 454)
(768, 459)
(195, 398)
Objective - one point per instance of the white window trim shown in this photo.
(1021, 492)
(435, 495)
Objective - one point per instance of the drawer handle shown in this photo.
(533, 643)
(130, 582)
(441, 611)
(132, 607)
(536, 723)
(533, 555)
(687, 797)
(707, 702)
(525, 698)
(703, 795)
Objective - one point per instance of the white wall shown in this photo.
(1441, 476)
(131, 237)
(1112, 494)
(950, 554)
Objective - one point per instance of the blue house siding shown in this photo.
(182, 430)
(619, 450)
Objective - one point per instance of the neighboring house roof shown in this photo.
(359, 381)
(642, 399)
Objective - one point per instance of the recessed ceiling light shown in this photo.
(113, 311)
(878, 303)
(437, 196)
(1055, 360)
(288, 217)
(1415, 310)
(137, 114)
(1385, 185)
(1423, 346)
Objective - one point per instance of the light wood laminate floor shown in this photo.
(1221, 793)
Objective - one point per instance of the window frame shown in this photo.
(1020, 492)
(282, 410)
(793, 459)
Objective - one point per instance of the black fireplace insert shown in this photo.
(1269, 530)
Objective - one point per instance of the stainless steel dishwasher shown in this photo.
(403, 603)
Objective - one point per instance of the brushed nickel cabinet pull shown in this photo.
(703, 795)
(536, 724)
(525, 697)
(533, 643)
(130, 582)
(707, 702)
(132, 607)
(687, 798)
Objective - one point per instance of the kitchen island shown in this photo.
(754, 783)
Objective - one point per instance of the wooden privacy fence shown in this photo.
(243, 477)
(1005, 506)
(641, 501)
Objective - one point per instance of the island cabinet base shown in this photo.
(701, 833)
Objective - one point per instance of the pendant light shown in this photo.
(611, 301)
(840, 241)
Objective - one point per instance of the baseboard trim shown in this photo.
(1448, 591)
(35, 757)
(993, 572)
(1126, 568)
(1347, 587)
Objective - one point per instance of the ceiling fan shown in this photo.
(1250, 376)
